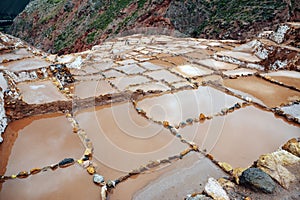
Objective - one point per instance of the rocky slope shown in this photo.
(64, 26)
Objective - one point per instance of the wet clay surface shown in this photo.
(229, 139)
(271, 94)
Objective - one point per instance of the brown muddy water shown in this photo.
(176, 107)
(241, 137)
(173, 181)
(37, 142)
(124, 140)
(270, 94)
(85, 89)
(26, 64)
(40, 92)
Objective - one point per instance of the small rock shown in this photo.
(98, 179)
(166, 123)
(197, 197)
(35, 170)
(111, 184)
(182, 124)
(225, 166)
(189, 121)
(23, 174)
(215, 190)
(257, 179)
(237, 172)
(66, 162)
(86, 163)
(226, 183)
(292, 146)
(88, 152)
(103, 192)
(91, 170)
(202, 117)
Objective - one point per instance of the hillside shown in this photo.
(64, 26)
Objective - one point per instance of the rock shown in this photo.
(226, 183)
(202, 117)
(258, 180)
(86, 163)
(23, 174)
(292, 146)
(273, 164)
(225, 166)
(66, 162)
(166, 123)
(91, 170)
(237, 172)
(98, 179)
(111, 184)
(197, 197)
(103, 192)
(215, 190)
(35, 170)
(189, 121)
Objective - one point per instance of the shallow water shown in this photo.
(176, 107)
(288, 81)
(40, 92)
(163, 75)
(131, 69)
(241, 137)
(120, 134)
(70, 183)
(168, 182)
(242, 56)
(216, 65)
(122, 83)
(26, 64)
(190, 71)
(87, 89)
(38, 142)
(15, 55)
(270, 94)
